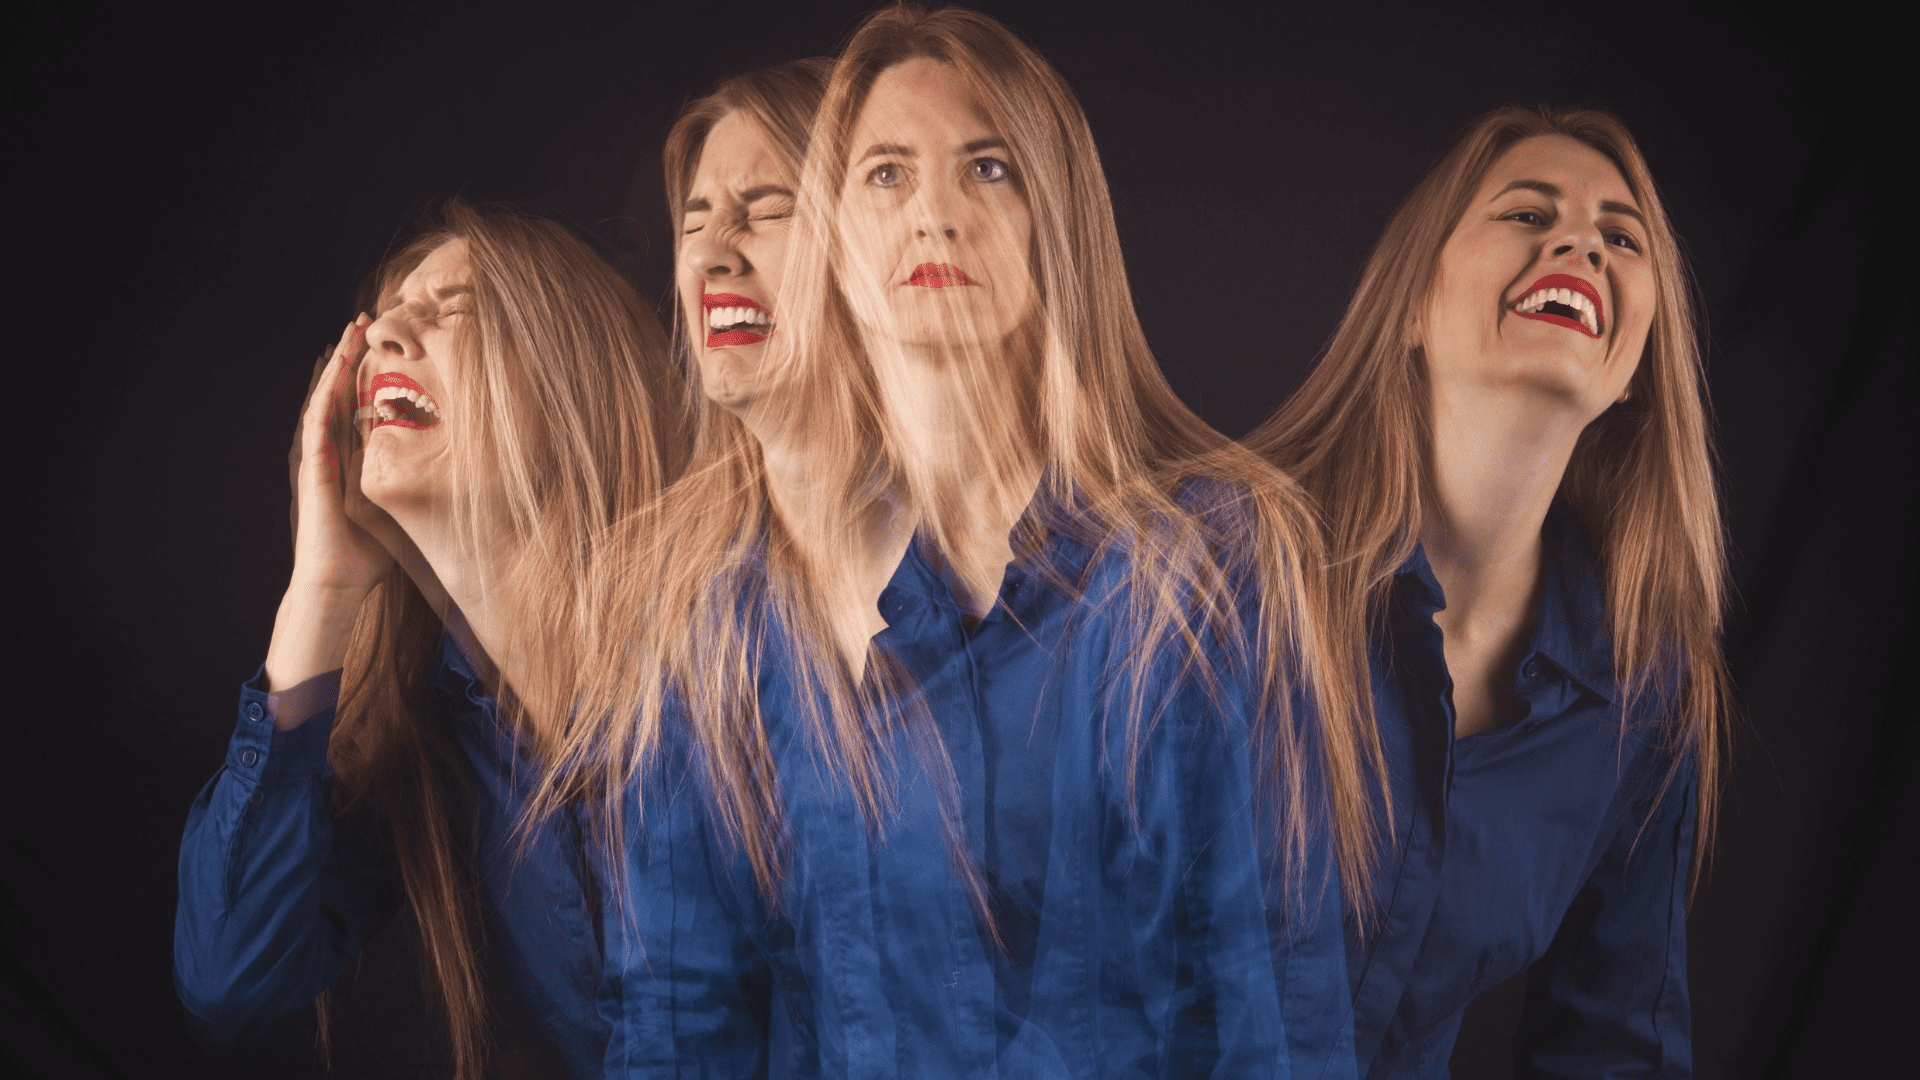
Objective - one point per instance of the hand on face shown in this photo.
(1546, 284)
(934, 226)
(733, 241)
(331, 552)
(406, 382)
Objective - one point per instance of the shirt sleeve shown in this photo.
(1609, 999)
(687, 989)
(275, 894)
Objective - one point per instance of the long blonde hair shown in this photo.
(1357, 434)
(568, 409)
(1117, 446)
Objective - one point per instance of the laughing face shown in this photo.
(932, 219)
(733, 240)
(1546, 282)
(406, 379)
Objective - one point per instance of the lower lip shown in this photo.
(1558, 320)
(397, 422)
(940, 277)
(734, 337)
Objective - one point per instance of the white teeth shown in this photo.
(1534, 301)
(719, 318)
(419, 400)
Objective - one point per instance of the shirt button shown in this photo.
(249, 757)
(1530, 668)
(254, 711)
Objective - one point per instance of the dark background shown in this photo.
(196, 193)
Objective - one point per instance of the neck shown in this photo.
(849, 541)
(1498, 458)
(471, 587)
(966, 441)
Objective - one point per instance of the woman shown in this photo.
(1508, 445)
(514, 401)
(918, 801)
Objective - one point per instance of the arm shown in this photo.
(686, 987)
(270, 905)
(1609, 999)
(275, 896)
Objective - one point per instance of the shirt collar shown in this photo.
(1572, 630)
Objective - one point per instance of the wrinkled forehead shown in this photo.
(445, 267)
(736, 157)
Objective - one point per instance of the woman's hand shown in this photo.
(335, 561)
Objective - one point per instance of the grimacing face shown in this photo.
(734, 230)
(413, 358)
(1547, 282)
(933, 225)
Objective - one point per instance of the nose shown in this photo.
(390, 336)
(1582, 241)
(712, 256)
(935, 213)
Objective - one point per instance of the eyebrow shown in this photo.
(751, 195)
(1552, 191)
(393, 300)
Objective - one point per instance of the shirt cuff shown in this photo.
(261, 752)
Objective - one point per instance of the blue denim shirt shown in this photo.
(277, 894)
(1556, 842)
(1135, 934)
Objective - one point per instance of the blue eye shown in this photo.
(987, 170)
(888, 175)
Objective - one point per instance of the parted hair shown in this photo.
(1357, 434)
(567, 419)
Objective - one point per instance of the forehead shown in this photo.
(1583, 173)
(736, 156)
(923, 99)
(445, 265)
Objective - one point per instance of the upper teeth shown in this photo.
(1540, 298)
(728, 316)
(419, 400)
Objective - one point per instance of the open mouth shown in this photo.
(939, 276)
(397, 401)
(1565, 300)
(735, 320)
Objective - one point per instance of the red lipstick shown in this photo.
(1572, 284)
(716, 340)
(426, 405)
(939, 276)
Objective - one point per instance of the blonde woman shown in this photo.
(953, 775)
(513, 400)
(1507, 441)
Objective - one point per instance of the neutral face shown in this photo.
(413, 359)
(933, 223)
(733, 241)
(1546, 283)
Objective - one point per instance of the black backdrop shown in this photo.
(198, 191)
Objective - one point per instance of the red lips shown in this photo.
(1580, 285)
(709, 301)
(394, 378)
(939, 276)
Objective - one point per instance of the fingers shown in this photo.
(330, 407)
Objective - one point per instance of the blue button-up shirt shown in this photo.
(1561, 841)
(1137, 932)
(277, 894)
